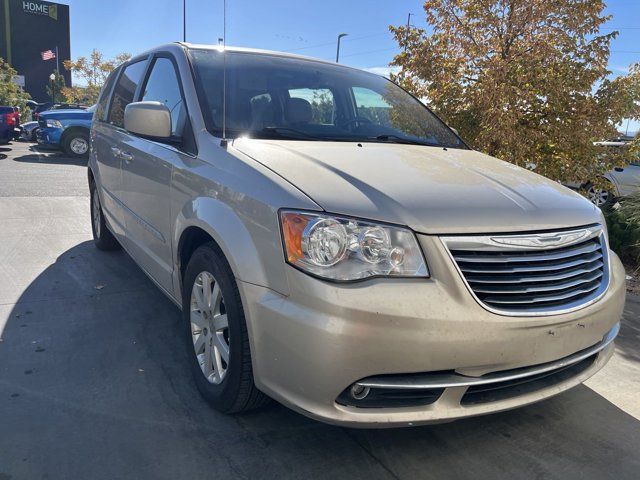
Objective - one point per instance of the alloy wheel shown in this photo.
(79, 146)
(598, 196)
(209, 327)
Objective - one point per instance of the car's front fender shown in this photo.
(253, 250)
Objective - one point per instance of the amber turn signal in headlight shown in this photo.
(346, 249)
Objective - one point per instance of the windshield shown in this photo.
(269, 96)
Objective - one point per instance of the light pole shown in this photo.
(184, 20)
(338, 49)
(52, 77)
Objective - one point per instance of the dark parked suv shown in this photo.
(9, 120)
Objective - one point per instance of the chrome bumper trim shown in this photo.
(447, 380)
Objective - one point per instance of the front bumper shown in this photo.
(48, 136)
(310, 346)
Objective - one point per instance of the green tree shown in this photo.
(55, 88)
(11, 93)
(92, 72)
(524, 80)
(322, 107)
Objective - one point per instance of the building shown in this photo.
(27, 29)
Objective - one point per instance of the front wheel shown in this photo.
(216, 334)
(76, 144)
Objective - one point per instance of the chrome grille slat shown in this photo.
(504, 258)
(534, 278)
(534, 268)
(525, 275)
(543, 288)
(545, 298)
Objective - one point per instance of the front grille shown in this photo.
(506, 276)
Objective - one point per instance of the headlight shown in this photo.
(54, 123)
(344, 249)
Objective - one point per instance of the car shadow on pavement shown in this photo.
(94, 383)
(628, 341)
(40, 155)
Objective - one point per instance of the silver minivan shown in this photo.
(333, 245)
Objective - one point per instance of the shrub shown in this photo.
(623, 223)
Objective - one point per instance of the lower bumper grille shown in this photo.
(515, 388)
(534, 273)
(391, 398)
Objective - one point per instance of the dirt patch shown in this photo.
(633, 281)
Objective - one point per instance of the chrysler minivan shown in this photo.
(333, 245)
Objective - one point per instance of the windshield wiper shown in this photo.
(404, 140)
(282, 131)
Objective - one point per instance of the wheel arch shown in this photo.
(71, 130)
(612, 181)
(207, 219)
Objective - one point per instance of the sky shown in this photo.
(298, 26)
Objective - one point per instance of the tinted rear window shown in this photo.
(124, 91)
(101, 106)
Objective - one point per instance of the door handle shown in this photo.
(127, 157)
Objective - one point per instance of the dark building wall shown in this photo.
(27, 28)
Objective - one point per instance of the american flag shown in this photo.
(48, 55)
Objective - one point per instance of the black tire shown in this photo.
(102, 236)
(34, 133)
(237, 391)
(69, 145)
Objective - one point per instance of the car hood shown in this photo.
(67, 113)
(430, 189)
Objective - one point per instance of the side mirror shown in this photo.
(148, 119)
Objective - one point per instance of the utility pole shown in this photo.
(406, 36)
(338, 48)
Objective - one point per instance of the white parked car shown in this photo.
(622, 181)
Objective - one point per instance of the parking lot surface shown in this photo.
(94, 380)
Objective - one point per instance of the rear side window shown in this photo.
(163, 87)
(101, 107)
(124, 91)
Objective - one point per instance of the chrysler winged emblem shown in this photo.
(543, 240)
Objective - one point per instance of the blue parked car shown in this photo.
(67, 130)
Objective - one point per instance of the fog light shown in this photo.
(359, 392)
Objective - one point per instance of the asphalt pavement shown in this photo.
(94, 381)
